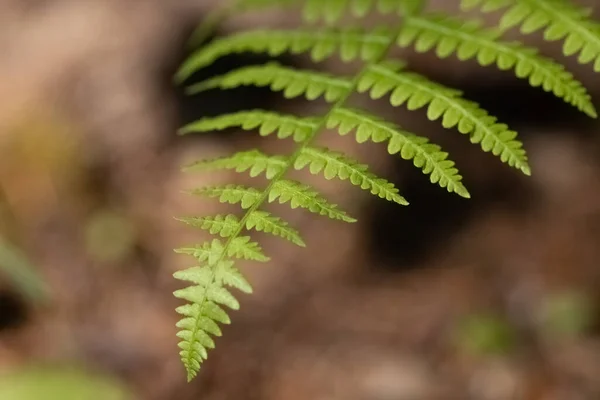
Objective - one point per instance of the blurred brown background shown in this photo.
(493, 298)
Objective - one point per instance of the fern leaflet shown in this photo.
(560, 19)
(429, 157)
(269, 122)
(417, 92)
(468, 40)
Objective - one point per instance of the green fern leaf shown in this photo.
(253, 160)
(560, 19)
(426, 156)
(267, 122)
(291, 81)
(332, 10)
(243, 247)
(223, 225)
(231, 194)
(350, 43)
(226, 225)
(240, 247)
(442, 102)
(265, 222)
(301, 195)
(468, 40)
(229, 275)
(337, 165)
(209, 251)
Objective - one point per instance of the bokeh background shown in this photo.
(492, 298)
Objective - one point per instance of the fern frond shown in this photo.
(222, 225)
(285, 125)
(243, 247)
(337, 165)
(297, 194)
(427, 156)
(446, 103)
(206, 296)
(253, 160)
(238, 247)
(351, 44)
(226, 225)
(469, 40)
(332, 10)
(265, 222)
(231, 194)
(292, 82)
(302, 195)
(560, 19)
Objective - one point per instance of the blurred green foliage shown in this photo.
(566, 314)
(59, 384)
(110, 236)
(21, 273)
(485, 334)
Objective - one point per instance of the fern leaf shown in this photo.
(243, 247)
(209, 251)
(265, 222)
(226, 225)
(560, 20)
(268, 122)
(351, 44)
(301, 195)
(223, 225)
(468, 40)
(427, 156)
(292, 82)
(231, 194)
(446, 103)
(332, 10)
(229, 275)
(253, 160)
(337, 165)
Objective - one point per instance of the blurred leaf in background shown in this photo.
(485, 334)
(110, 236)
(568, 313)
(21, 273)
(59, 384)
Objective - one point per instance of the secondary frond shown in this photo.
(351, 44)
(226, 225)
(560, 19)
(213, 251)
(265, 222)
(337, 165)
(222, 225)
(427, 156)
(446, 103)
(296, 193)
(332, 10)
(231, 193)
(467, 39)
(293, 82)
(268, 122)
(253, 160)
(302, 195)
